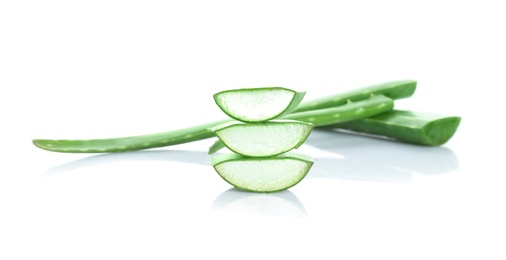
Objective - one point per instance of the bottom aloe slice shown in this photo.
(263, 139)
(267, 174)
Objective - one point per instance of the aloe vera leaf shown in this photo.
(258, 104)
(363, 108)
(133, 143)
(351, 111)
(217, 145)
(407, 126)
(393, 89)
(263, 139)
(266, 174)
(397, 89)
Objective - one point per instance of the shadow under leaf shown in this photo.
(193, 157)
(375, 159)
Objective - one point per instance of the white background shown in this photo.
(92, 69)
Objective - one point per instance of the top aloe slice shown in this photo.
(258, 104)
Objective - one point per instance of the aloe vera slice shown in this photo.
(258, 104)
(263, 139)
(266, 174)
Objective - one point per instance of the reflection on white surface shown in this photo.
(373, 159)
(280, 204)
(342, 156)
(194, 157)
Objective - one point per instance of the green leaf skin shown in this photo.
(407, 126)
(394, 90)
(266, 171)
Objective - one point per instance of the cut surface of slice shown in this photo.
(263, 139)
(258, 104)
(269, 174)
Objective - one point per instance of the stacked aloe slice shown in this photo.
(261, 161)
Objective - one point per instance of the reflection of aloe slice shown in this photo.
(263, 139)
(268, 174)
(258, 104)
(281, 204)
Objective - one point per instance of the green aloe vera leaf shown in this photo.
(217, 145)
(190, 134)
(393, 89)
(263, 139)
(262, 174)
(132, 143)
(364, 108)
(258, 104)
(351, 111)
(407, 126)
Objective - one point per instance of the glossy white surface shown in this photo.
(105, 69)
